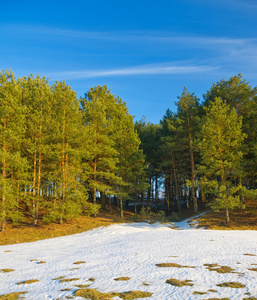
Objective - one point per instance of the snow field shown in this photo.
(133, 250)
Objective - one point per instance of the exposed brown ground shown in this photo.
(28, 233)
(240, 219)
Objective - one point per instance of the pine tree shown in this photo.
(188, 118)
(100, 165)
(11, 135)
(131, 165)
(71, 196)
(36, 98)
(150, 137)
(219, 143)
(172, 157)
(238, 93)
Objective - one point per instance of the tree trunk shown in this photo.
(34, 188)
(121, 207)
(156, 188)
(149, 194)
(38, 188)
(227, 215)
(3, 193)
(95, 165)
(135, 203)
(103, 200)
(241, 185)
(193, 181)
(63, 171)
(167, 192)
(110, 202)
(185, 187)
(176, 184)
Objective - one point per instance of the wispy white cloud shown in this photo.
(151, 69)
(242, 4)
(204, 53)
(229, 4)
(123, 36)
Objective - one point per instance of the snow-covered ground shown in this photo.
(133, 250)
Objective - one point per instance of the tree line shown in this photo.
(204, 152)
(61, 157)
(57, 152)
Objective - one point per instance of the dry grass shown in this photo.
(219, 269)
(81, 286)
(179, 283)
(59, 278)
(6, 270)
(240, 219)
(146, 283)
(28, 281)
(172, 265)
(69, 279)
(24, 233)
(122, 278)
(79, 262)
(96, 295)
(253, 269)
(13, 296)
(134, 295)
(235, 285)
(217, 299)
(199, 293)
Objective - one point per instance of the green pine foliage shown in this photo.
(62, 157)
(188, 121)
(12, 164)
(220, 145)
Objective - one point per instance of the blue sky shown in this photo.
(145, 51)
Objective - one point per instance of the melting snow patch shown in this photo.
(134, 251)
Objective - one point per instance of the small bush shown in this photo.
(146, 215)
(174, 217)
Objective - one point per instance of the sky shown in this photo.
(145, 51)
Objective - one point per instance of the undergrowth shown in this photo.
(146, 215)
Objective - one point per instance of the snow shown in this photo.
(133, 250)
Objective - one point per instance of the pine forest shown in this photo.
(62, 157)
